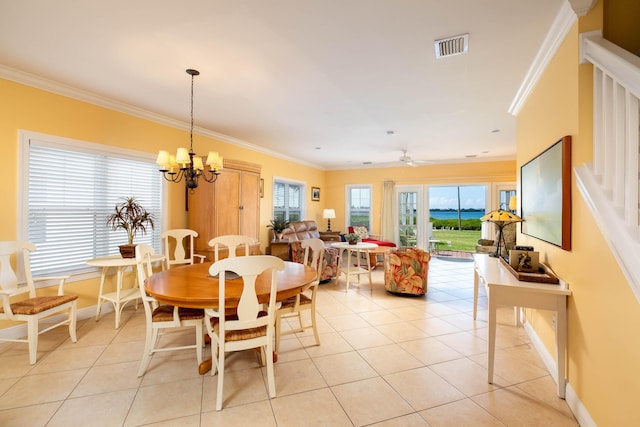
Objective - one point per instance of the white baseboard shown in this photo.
(572, 399)
(20, 331)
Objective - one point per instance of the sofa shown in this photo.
(300, 230)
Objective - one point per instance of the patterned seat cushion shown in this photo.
(406, 271)
(329, 263)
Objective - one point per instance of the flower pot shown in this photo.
(353, 242)
(127, 251)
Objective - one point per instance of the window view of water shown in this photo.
(453, 214)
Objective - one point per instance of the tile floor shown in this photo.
(383, 360)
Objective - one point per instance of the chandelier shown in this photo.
(186, 164)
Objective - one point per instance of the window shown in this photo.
(287, 200)
(359, 205)
(68, 190)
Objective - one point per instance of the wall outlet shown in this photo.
(554, 320)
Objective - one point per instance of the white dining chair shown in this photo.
(250, 327)
(159, 318)
(179, 246)
(231, 242)
(294, 307)
(34, 308)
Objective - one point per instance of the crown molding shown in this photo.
(582, 7)
(559, 29)
(111, 104)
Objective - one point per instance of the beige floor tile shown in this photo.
(389, 358)
(513, 407)
(36, 389)
(460, 413)
(189, 421)
(343, 368)
(29, 416)
(296, 377)
(313, 408)
(162, 401)
(380, 317)
(400, 332)
(434, 326)
(430, 350)
(118, 352)
(346, 322)
(411, 420)
(106, 409)
(365, 338)
(176, 367)
(258, 414)
(422, 388)
(370, 401)
(546, 390)
(331, 343)
(239, 388)
(292, 349)
(467, 376)
(68, 358)
(108, 378)
(411, 313)
(465, 343)
(512, 367)
(15, 366)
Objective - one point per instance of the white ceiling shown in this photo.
(322, 81)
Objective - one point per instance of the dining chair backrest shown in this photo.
(179, 246)
(144, 268)
(313, 255)
(231, 242)
(8, 277)
(249, 309)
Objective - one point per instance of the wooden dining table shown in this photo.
(191, 286)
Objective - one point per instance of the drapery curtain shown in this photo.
(387, 227)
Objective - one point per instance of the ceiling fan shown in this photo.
(407, 160)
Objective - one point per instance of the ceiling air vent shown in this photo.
(452, 46)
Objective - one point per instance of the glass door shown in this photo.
(408, 218)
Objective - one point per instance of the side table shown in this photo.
(280, 248)
(121, 296)
(330, 236)
(357, 269)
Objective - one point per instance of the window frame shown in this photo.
(348, 189)
(303, 191)
(69, 144)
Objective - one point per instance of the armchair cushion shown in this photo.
(329, 263)
(364, 235)
(406, 271)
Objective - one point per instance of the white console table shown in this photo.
(504, 289)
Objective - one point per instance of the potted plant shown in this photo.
(278, 225)
(352, 238)
(133, 218)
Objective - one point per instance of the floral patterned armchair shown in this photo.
(329, 264)
(406, 271)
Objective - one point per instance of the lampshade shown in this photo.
(329, 213)
(513, 203)
(501, 216)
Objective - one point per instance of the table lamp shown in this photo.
(500, 218)
(328, 214)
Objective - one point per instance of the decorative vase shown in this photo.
(127, 251)
(279, 236)
(353, 242)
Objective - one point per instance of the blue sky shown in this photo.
(447, 197)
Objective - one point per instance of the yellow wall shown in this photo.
(604, 315)
(30, 109)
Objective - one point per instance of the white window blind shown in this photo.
(287, 200)
(70, 193)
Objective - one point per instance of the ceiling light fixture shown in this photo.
(189, 165)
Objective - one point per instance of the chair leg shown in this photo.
(32, 334)
(148, 347)
(278, 330)
(199, 344)
(73, 315)
(314, 325)
(270, 376)
(220, 379)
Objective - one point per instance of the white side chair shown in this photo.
(231, 242)
(34, 308)
(160, 317)
(175, 241)
(251, 327)
(294, 306)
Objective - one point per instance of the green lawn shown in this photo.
(464, 240)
